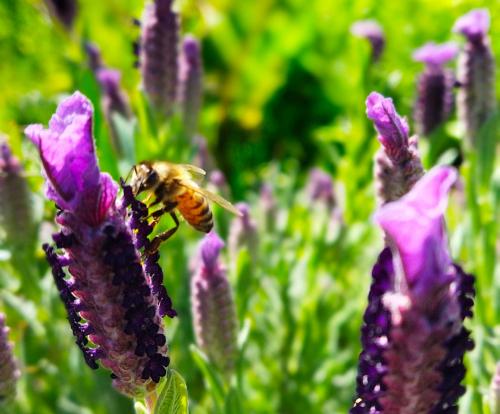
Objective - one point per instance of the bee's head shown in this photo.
(144, 178)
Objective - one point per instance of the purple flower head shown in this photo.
(114, 300)
(320, 187)
(109, 79)
(9, 371)
(190, 83)
(213, 310)
(397, 163)
(158, 54)
(16, 205)
(243, 233)
(476, 74)
(68, 156)
(371, 30)
(413, 336)
(94, 57)
(433, 54)
(393, 129)
(210, 249)
(415, 225)
(474, 25)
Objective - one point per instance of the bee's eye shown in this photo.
(152, 178)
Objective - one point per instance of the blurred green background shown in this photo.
(284, 90)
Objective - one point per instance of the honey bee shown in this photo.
(174, 187)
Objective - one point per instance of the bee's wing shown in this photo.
(217, 199)
(195, 171)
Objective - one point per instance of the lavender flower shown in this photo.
(16, 215)
(114, 302)
(158, 54)
(9, 371)
(397, 163)
(476, 73)
(372, 31)
(495, 391)
(435, 86)
(213, 309)
(269, 207)
(94, 57)
(218, 180)
(413, 336)
(190, 83)
(243, 233)
(64, 11)
(113, 102)
(320, 188)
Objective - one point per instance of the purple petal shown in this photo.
(393, 129)
(68, 156)
(367, 28)
(210, 249)
(109, 79)
(436, 54)
(415, 225)
(474, 24)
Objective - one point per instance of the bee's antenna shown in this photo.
(134, 169)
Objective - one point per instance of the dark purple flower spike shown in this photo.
(435, 86)
(114, 302)
(213, 310)
(413, 336)
(373, 32)
(63, 10)
(476, 73)
(158, 54)
(397, 164)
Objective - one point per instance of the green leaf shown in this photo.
(210, 374)
(125, 130)
(489, 137)
(173, 396)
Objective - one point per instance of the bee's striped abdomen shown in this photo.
(195, 209)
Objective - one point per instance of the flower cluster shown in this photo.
(476, 73)
(16, 215)
(9, 371)
(397, 163)
(435, 86)
(114, 302)
(413, 336)
(374, 33)
(213, 307)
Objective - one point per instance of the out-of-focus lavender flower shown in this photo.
(218, 180)
(495, 391)
(243, 233)
(63, 10)
(94, 57)
(435, 86)
(190, 83)
(373, 32)
(158, 54)
(268, 205)
(320, 188)
(397, 163)
(203, 157)
(476, 73)
(413, 336)
(16, 212)
(9, 371)
(213, 310)
(114, 302)
(113, 102)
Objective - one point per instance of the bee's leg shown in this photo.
(160, 238)
(167, 208)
